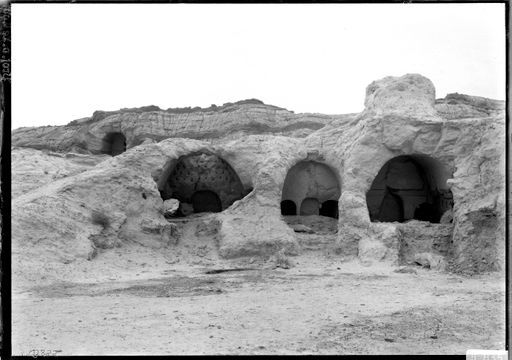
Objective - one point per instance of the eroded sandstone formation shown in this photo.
(310, 187)
(410, 187)
(153, 124)
(203, 181)
(388, 174)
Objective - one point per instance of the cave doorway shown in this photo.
(201, 182)
(391, 208)
(206, 201)
(113, 144)
(309, 184)
(314, 189)
(329, 208)
(288, 207)
(410, 187)
(310, 206)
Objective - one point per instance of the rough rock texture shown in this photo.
(461, 147)
(458, 106)
(33, 169)
(309, 180)
(430, 261)
(408, 94)
(201, 172)
(138, 125)
(382, 244)
(316, 224)
(420, 236)
(170, 207)
(461, 153)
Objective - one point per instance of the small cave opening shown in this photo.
(206, 201)
(312, 186)
(201, 182)
(309, 200)
(410, 187)
(329, 208)
(288, 207)
(113, 144)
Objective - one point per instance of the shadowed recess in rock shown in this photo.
(329, 208)
(410, 187)
(288, 207)
(309, 206)
(206, 201)
(202, 183)
(311, 184)
(114, 144)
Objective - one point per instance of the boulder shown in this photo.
(408, 94)
(170, 207)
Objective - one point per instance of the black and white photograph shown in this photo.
(257, 179)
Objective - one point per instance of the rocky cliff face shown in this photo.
(456, 151)
(461, 155)
(152, 124)
(457, 106)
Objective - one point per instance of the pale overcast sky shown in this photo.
(69, 60)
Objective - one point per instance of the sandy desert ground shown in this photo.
(149, 302)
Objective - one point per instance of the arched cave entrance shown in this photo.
(410, 187)
(391, 208)
(314, 186)
(114, 143)
(206, 201)
(288, 207)
(310, 206)
(329, 208)
(202, 183)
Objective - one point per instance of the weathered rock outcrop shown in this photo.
(458, 153)
(150, 123)
(457, 106)
(34, 169)
(204, 173)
